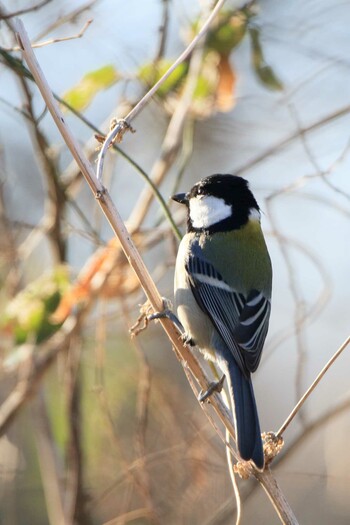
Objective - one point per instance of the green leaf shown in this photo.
(204, 88)
(102, 78)
(268, 78)
(29, 313)
(150, 74)
(263, 71)
(228, 32)
(208, 78)
(81, 95)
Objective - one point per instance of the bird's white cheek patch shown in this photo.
(208, 210)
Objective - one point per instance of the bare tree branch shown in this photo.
(163, 31)
(286, 141)
(36, 365)
(66, 18)
(49, 464)
(56, 40)
(312, 387)
(24, 11)
(171, 143)
(125, 124)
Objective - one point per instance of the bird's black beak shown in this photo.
(182, 198)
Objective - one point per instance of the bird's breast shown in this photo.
(196, 323)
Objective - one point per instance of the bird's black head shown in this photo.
(219, 203)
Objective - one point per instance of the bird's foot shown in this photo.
(215, 386)
(146, 316)
(166, 313)
(187, 339)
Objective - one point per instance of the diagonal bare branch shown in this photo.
(312, 387)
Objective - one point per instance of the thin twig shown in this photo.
(172, 140)
(65, 38)
(123, 125)
(24, 11)
(312, 387)
(39, 362)
(57, 115)
(299, 317)
(17, 66)
(76, 496)
(234, 480)
(187, 358)
(150, 458)
(314, 309)
(51, 472)
(39, 358)
(321, 173)
(134, 164)
(224, 513)
(55, 40)
(8, 247)
(142, 103)
(66, 18)
(286, 141)
(315, 426)
(55, 201)
(163, 29)
(142, 409)
(131, 474)
(132, 515)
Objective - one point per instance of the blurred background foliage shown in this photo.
(107, 429)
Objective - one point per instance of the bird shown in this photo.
(222, 292)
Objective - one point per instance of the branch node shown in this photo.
(19, 40)
(123, 126)
(118, 127)
(243, 469)
(273, 444)
(142, 321)
(99, 194)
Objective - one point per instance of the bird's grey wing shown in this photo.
(241, 322)
(251, 330)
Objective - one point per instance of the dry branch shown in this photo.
(312, 387)
(25, 11)
(171, 143)
(37, 364)
(56, 40)
(123, 125)
(51, 472)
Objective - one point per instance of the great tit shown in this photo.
(223, 280)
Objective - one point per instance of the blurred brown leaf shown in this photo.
(225, 93)
(110, 265)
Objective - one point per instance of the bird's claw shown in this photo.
(167, 313)
(187, 339)
(215, 386)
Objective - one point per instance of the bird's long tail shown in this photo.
(249, 441)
